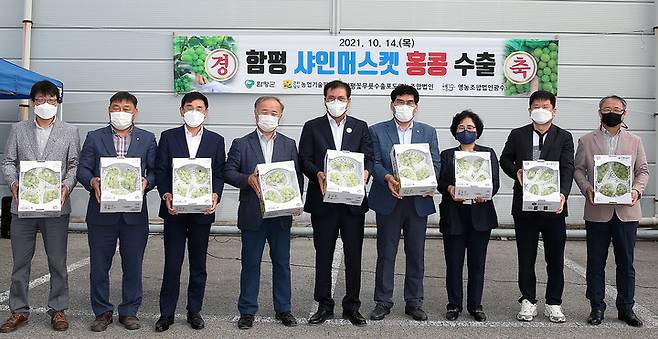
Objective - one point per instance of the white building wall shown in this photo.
(98, 47)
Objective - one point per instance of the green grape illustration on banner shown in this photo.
(530, 65)
(190, 59)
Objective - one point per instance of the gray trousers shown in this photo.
(403, 218)
(54, 232)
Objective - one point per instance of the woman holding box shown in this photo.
(466, 223)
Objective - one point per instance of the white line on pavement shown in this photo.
(650, 319)
(4, 296)
(335, 269)
(332, 323)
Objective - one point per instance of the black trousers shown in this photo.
(455, 247)
(175, 237)
(554, 235)
(599, 235)
(325, 232)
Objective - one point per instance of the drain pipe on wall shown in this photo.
(25, 58)
(655, 114)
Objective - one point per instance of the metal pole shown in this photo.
(27, 43)
(371, 232)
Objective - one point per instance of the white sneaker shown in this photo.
(528, 311)
(554, 313)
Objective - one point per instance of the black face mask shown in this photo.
(611, 119)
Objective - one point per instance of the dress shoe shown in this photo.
(14, 321)
(630, 318)
(595, 317)
(101, 322)
(246, 321)
(287, 319)
(130, 322)
(320, 316)
(452, 314)
(355, 318)
(58, 321)
(416, 313)
(163, 323)
(379, 312)
(479, 315)
(195, 320)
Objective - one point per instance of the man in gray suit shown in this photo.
(45, 138)
(264, 145)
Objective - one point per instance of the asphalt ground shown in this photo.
(220, 305)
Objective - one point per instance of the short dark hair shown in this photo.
(542, 95)
(336, 84)
(403, 90)
(45, 87)
(479, 125)
(123, 96)
(189, 97)
(616, 97)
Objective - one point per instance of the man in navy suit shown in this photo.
(120, 139)
(191, 140)
(395, 213)
(335, 130)
(264, 145)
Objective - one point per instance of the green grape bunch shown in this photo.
(30, 180)
(50, 195)
(32, 197)
(545, 53)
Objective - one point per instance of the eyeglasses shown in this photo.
(612, 110)
(331, 98)
(41, 101)
(399, 102)
(469, 128)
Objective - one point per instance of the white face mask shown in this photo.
(267, 123)
(541, 115)
(404, 113)
(336, 108)
(45, 111)
(194, 118)
(121, 120)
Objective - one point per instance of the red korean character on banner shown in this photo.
(520, 67)
(437, 64)
(221, 64)
(416, 63)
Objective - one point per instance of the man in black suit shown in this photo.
(335, 130)
(546, 141)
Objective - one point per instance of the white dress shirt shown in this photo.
(193, 141)
(42, 135)
(337, 131)
(266, 145)
(611, 140)
(404, 135)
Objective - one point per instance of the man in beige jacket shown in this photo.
(609, 222)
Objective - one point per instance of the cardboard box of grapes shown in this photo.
(413, 168)
(192, 185)
(613, 179)
(279, 188)
(473, 175)
(39, 189)
(541, 186)
(344, 184)
(121, 185)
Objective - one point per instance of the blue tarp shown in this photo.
(16, 81)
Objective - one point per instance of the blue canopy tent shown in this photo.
(16, 81)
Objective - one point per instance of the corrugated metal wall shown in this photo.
(98, 47)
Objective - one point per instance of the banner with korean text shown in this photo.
(372, 65)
